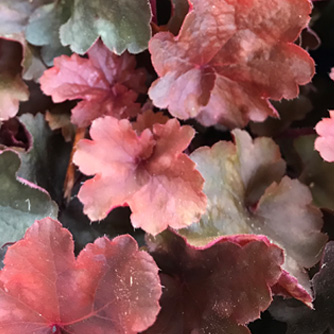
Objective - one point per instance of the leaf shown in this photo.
(229, 58)
(324, 144)
(247, 195)
(316, 173)
(302, 320)
(180, 10)
(214, 289)
(12, 88)
(106, 83)
(147, 172)
(46, 162)
(14, 15)
(111, 286)
(43, 29)
(122, 25)
(21, 202)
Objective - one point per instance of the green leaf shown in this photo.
(20, 202)
(316, 173)
(45, 164)
(43, 29)
(246, 195)
(122, 25)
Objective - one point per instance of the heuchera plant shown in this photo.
(166, 166)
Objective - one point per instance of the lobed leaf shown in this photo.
(147, 172)
(111, 286)
(229, 58)
(214, 289)
(246, 194)
(122, 25)
(106, 83)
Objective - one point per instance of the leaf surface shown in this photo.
(107, 84)
(246, 194)
(147, 172)
(214, 289)
(12, 88)
(302, 320)
(228, 60)
(324, 144)
(21, 203)
(122, 25)
(111, 286)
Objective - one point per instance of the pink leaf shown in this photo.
(111, 286)
(107, 84)
(325, 143)
(147, 172)
(229, 58)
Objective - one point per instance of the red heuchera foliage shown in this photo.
(146, 171)
(229, 58)
(110, 287)
(217, 288)
(108, 84)
(325, 143)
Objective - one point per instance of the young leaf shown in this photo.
(229, 58)
(12, 88)
(122, 25)
(21, 203)
(246, 195)
(301, 319)
(214, 289)
(147, 172)
(110, 287)
(325, 143)
(107, 84)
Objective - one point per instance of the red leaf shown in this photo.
(111, 287)
(108, 84)
(147, 172)
(325, 143)
(217, 288)
(229, 58)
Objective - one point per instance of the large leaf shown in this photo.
(215, 289)
(12, 88)
(247, 195)
(21, 203)
(146, 171)
(122, 25)
(229, 58)
(110, 288)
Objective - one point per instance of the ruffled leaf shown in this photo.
(122, 25)
(215, 289)
(246, 195)
(106, 83)
(324, 144)
(229, 58)
(147, 172)
(44, 289)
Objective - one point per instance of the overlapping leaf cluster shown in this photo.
(224, 227)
